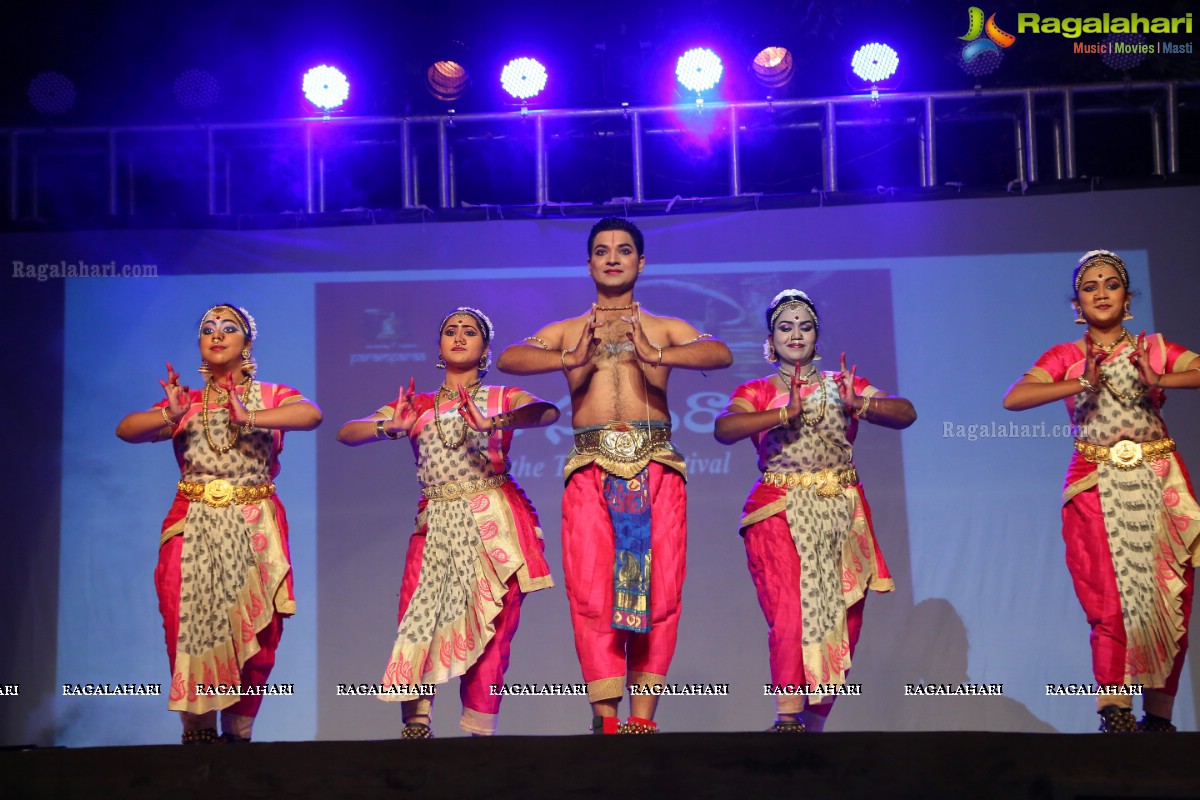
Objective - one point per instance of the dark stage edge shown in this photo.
(738, 765)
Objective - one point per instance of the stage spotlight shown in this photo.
(523, 78)
(699, 69)
(1131, 44)
(326, 87)
(446, 80)
(52, 93)
(196, 90)
(874, 63)
(774, 67)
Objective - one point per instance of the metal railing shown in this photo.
(925, 112)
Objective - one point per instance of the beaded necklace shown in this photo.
(233, 437)
(1107, 349)
(786, 377)
(437, 417)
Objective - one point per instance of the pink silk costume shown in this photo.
(1159, 543)
(253, 538)
(460, 621)
(777, 522)
(607, 656)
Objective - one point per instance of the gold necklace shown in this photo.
(233, 437)
(807, 420)
(437, 416)
(786, 376)
(615, 308)
(1133, 396)
(1107, 349)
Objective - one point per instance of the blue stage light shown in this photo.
(326, 87)
(523, 78)
(52, 93)
(196, 90)
(699, 69)
(874, 62)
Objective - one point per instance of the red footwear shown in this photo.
(639, 725)
(606, 725)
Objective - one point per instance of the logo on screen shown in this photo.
(985, 42)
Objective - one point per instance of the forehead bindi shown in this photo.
(1101, 273)
(218, 317)
(796, 316)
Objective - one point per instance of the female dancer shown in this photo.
(806, 524)
(224, 575)
(1129, 514)
(477, 549)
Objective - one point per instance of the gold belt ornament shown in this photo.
(622, 450)
(1126, 454)
(220, 493)
(456, 489)
(827, 482)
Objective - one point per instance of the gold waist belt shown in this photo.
(456, 489)
(828, 482)
(1126, 454)
(623, 451)
(220, 492)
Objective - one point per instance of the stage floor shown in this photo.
(847, 766)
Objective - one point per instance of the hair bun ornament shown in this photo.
(1090, 254)
(788, 293)
(250, 323)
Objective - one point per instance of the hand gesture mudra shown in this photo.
(845, 382)
(586, 347)
(1140, 358)
(1091, 362)
(795, 406)
(646, 352)
(406, 415)
(470, 412)
(179, 398)
(237, 410)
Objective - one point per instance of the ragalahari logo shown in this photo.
(976, 45)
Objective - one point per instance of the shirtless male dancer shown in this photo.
(625, 497)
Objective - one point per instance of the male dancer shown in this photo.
(625, 498)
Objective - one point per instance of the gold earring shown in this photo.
(1127, 316)
(1079, 320)
(769, 351)
(816, 355)
(441, 363)
(204, 370)
(248, 363)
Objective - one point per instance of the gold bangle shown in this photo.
(379, 431)
(542, 342)
(167, 418)
(862, 412)
(783, 417)
(659, 364)
(563, 354)
(1085, 383)
(248, 425)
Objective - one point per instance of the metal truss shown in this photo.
(431, 180)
